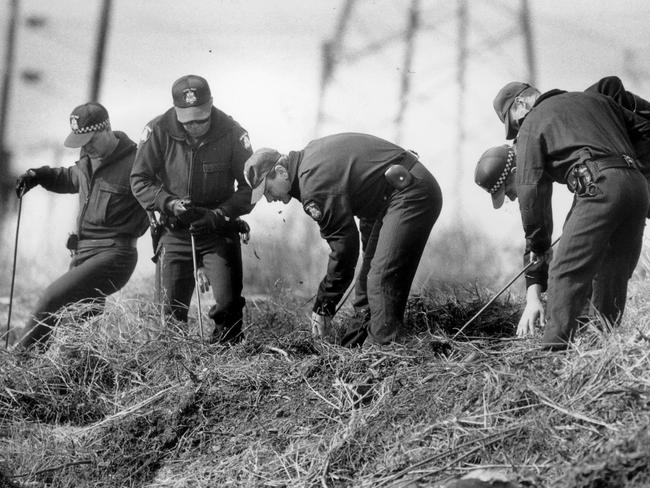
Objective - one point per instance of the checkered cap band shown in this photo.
(91, 128)
(510, 162)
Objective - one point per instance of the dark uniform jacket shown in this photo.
(337, 178)
(562, 129)
(108, 209)
(612, 86)
(167, 166)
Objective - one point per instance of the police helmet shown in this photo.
(492, 169)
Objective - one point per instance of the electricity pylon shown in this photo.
(433, 45)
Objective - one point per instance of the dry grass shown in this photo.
(117, 401)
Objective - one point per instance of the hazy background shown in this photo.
(263, 62)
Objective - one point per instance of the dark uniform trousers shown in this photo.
(95, 272)
(601, 241)
(392, 248)
(220, 257)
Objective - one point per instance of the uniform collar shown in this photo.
(293, 164)
(540, 99)
(124, 146)
(547, 95)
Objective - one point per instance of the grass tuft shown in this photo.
(121, 400)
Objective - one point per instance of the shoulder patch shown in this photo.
(313, 210)
(146, 133)
(246, 142)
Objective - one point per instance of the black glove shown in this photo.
(26, 182)
(242, 226)
(185, 213)
(209, 221)
(243, 229)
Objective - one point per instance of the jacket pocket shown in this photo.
(108, 201)
(216, 183)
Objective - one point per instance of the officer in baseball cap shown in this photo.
(509, 104)
(110, 220)
(192, 98)
(189, 169)
(85, 120)
(585, 141)
(258, 166)
(397, 201)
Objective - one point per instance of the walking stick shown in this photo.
(491, 301)
(13, 272)
(196, 285)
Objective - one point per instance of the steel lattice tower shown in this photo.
(425, 55)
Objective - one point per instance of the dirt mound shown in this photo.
(162, 409)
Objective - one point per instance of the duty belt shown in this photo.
(618, 161)
(581, 177)
(111, 241)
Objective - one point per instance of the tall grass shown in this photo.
(118, 400)
(123, 399)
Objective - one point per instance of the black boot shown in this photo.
(356, 329)
(228, 323)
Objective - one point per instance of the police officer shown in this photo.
(110, 219)
(580, 139)
(342, 176)
(189, 168)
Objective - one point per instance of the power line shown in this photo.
(451, 30)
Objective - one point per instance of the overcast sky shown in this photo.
(262, 59)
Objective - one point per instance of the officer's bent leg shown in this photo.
(223, 265)
(176, 283)
(406, 227)
(623, 251)
(93, 275)
(595, 222)
(369, 230)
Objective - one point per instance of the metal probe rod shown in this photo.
(13, 272)
(196, 286)
(491, 301)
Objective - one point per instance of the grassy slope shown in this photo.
(115, 403)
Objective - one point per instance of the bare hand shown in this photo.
(244, 231)
(178, 207)
(545, 257)
(321, 326)
(531, 315)
(202, 280)
(533, 312)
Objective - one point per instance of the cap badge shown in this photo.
(314, 211)
(190, 96)
(74, 124)
(246, 142)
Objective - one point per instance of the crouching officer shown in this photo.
(189, 168)
(581, 140)
(110, 219)
(342, 176)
